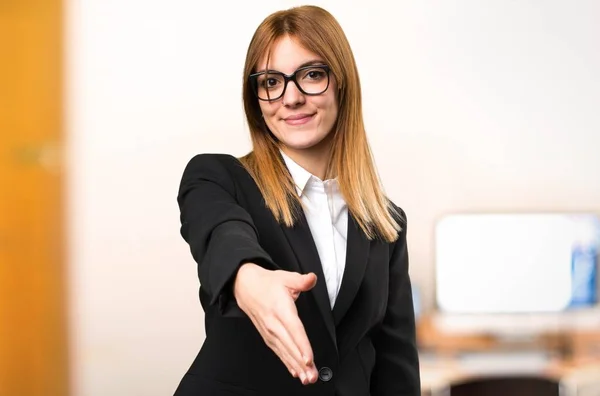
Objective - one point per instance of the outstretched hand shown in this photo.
(269, 299)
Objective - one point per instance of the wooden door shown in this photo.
(33, 337)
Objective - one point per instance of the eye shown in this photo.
(314, 74)
(271, 82)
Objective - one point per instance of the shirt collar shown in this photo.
(300, 175)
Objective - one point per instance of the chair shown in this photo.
(503, 386)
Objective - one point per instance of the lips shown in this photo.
(298, 119)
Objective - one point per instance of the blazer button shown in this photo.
(325, 374)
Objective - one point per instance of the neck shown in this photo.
(314, 159)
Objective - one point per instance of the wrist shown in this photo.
(242, 271)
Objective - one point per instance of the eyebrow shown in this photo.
(305, 64)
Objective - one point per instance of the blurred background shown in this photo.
(484, 120)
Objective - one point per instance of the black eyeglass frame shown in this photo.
(286, 79)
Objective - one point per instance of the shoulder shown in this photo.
(215, 165)
(209, 167)
(212, 161)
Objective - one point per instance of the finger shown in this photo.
(295, 337)
(292, 365)
(311, 280)
(306, 369)
(285, 346)
(277, 338)
(299, 282)
(294, 354)
(278, 349)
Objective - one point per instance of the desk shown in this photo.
(568, 355)
(572, 336)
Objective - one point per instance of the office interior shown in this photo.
(482, 118)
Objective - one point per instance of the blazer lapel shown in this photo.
(304, 247)
(357, 256)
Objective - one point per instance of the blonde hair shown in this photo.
(350, 157)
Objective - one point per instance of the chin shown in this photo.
(303, 144)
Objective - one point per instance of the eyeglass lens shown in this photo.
(311, 81)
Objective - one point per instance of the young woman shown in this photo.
(302, 260)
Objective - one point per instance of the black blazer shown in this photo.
(364, 346)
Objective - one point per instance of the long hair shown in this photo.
(350, 159)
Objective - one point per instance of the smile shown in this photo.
(298, 119)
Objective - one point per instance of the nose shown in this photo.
(292, 96)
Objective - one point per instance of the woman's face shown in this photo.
(299, 121)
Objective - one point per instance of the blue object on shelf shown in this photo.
(584, 275)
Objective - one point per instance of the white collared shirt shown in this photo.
(327, 216)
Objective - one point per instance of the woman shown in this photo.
(302, 260)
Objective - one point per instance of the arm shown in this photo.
(396, 371)
(220, 233)
(222, 238)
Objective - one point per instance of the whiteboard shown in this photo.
(507, 263)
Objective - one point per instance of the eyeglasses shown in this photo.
(271, 85)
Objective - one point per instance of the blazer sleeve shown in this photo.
(396, 370)
(220, 233)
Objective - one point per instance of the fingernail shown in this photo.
(306, 360)
(302, 377)
(293, 372)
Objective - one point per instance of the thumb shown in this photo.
(300, 282)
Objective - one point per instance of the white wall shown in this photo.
(469, 106)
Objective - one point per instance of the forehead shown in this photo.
(286, 56)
